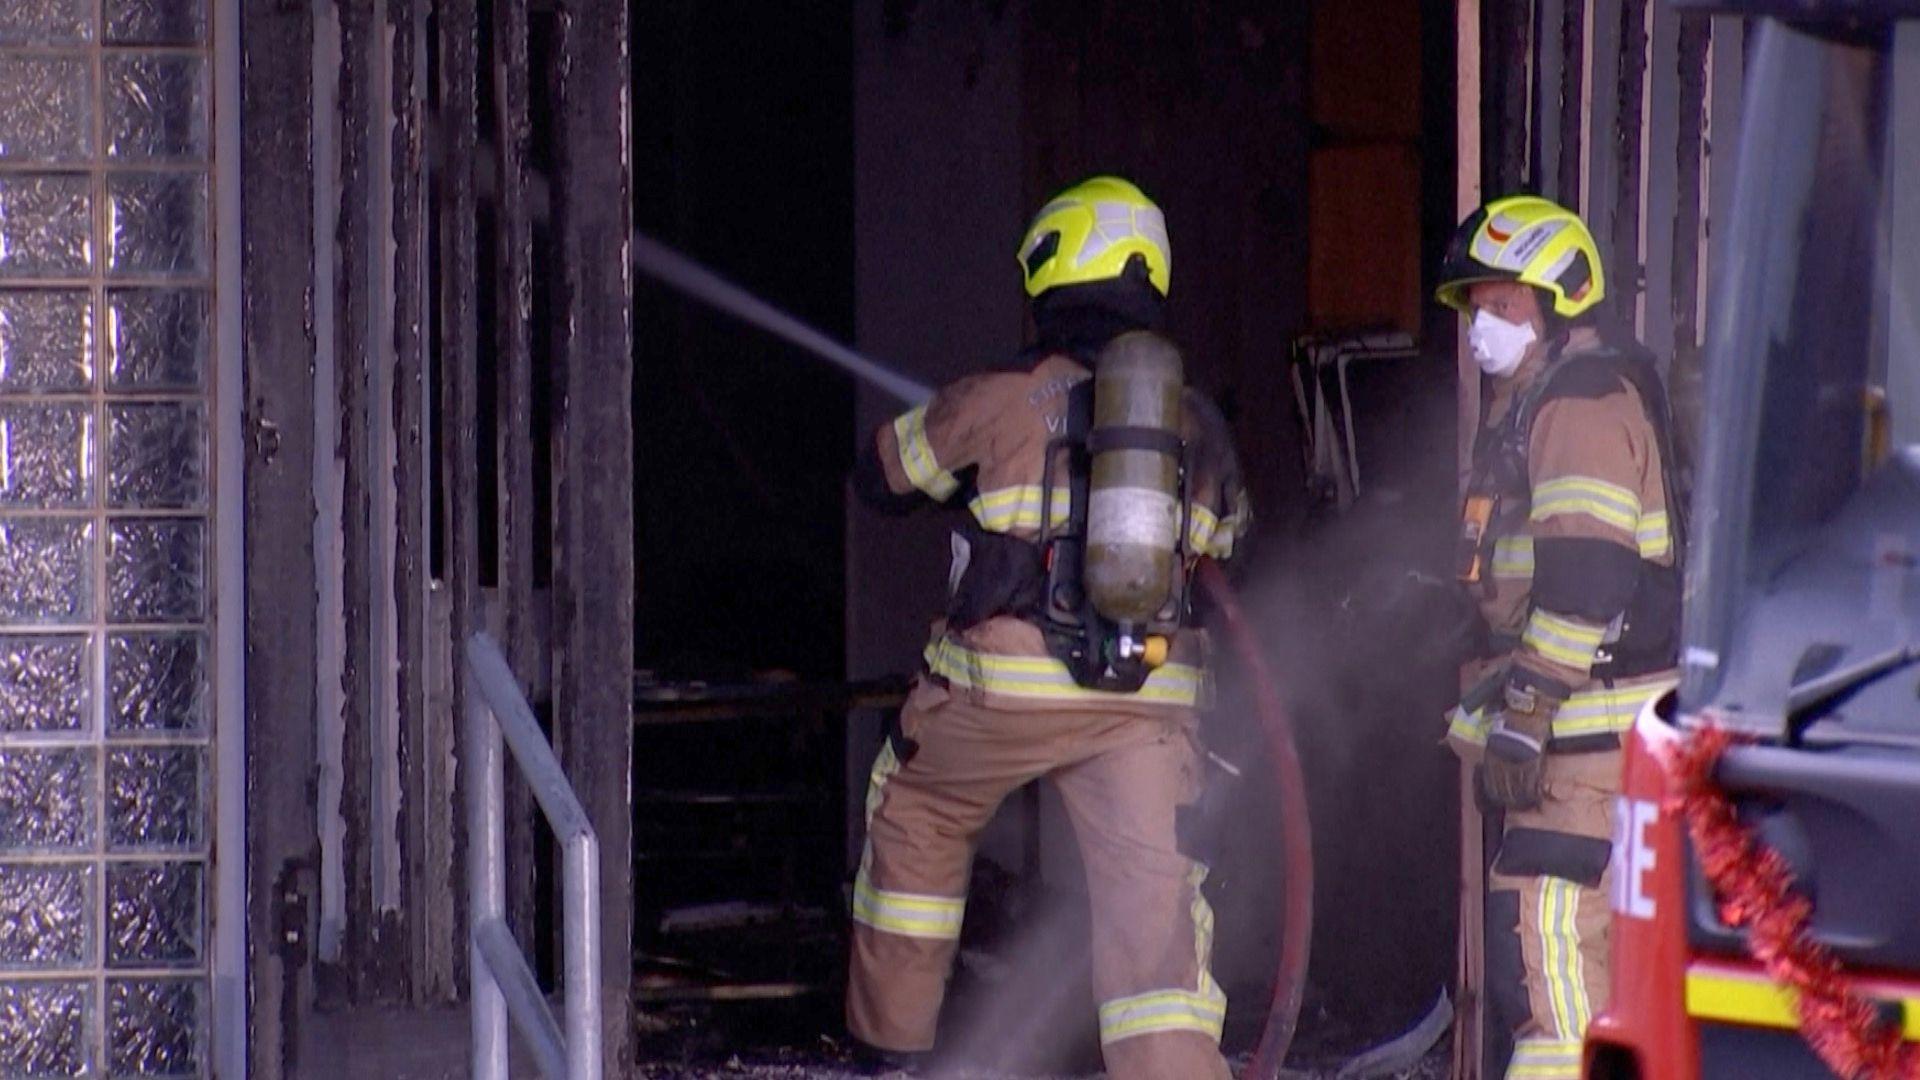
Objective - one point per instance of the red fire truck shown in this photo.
(1802, 626)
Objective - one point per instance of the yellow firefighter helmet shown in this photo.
(1089, 232)
(1531, 240)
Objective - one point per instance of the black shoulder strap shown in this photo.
(1080, 472)
(1080, 410)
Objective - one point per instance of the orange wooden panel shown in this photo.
(1363, 265)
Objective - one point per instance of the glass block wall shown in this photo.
(105, 342)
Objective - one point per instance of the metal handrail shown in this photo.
(501, 983)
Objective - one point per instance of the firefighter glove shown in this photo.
(1517, 745)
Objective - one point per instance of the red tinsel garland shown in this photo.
(1754, 887)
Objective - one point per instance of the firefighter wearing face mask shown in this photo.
(1570, 541)
(1086, 471)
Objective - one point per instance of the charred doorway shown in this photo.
(744, 161)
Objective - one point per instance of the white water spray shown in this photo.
(673, 269)
(676, 271)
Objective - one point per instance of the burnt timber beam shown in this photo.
(425, 881)
(594, 572)
(277, 242)
(1506, 25)
(1626, 270)
(1602, 103)
(353, 392)
(458, 122)
(1695, 36)
(1661, 196)
(513, 321)
(1573, 44)
(1549, 82)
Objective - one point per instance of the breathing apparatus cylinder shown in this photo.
(1134, 500)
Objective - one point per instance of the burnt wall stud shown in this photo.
(353, 392)
(277, 329)
(1625, 272)
(1573, 35)
(514, 476)
(429, 940)
(458, 120)
(594, 572)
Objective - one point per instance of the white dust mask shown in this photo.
(1498, 345)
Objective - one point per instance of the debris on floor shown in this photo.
(780, 1041)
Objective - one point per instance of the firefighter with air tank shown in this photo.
(1092, 479)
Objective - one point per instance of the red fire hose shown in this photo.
(1296, 837)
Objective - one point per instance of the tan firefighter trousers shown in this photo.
(1121, 775)
(1548, 917)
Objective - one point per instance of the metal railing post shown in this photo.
(581, 929)
(486, 882)
(503, 986)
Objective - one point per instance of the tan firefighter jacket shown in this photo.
(985, 438)
(1561, 583)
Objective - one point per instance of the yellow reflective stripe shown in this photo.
(1562, 640)
(906, 914)
(1547, 925)
(912, 915)
(1204, 535)
(1749, 997)
(885, 764)
(1208, 535)
(1608, 503)
(1202, 1010)
(917, 459)
(1013, 508)
(1564, 967)
(1599, 711)
(1202, 524)
(1162, 1010)
(1513, 557)
(1653, 535)
(1576, 960)
(1044, 678)
(1017, 508)
(1607, 711)
(1466, 726)
(1544, 1059)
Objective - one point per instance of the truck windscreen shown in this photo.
(1806, 537)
